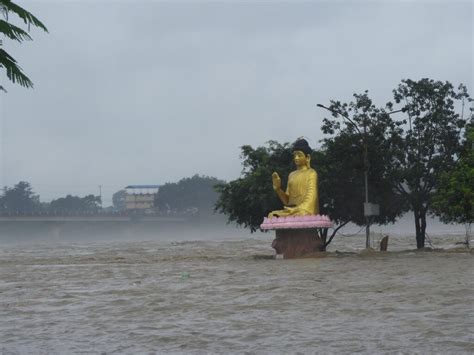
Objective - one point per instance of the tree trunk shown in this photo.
(420, 226)
(423, 226)
(384, 243)
(326, 243)
(468, 234)
(323, 235)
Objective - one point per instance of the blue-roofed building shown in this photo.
(141, 197)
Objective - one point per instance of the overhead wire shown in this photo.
(350, 235)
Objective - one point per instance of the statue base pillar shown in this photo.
(297, 236)
(296, 243)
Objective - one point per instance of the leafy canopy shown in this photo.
(427, 143)
(340, 178)
(196, 192)
(354, 127)
(118, 200)
(75, 204)
(19, 199)
(248, 199)
(14, 72)
(454, 198)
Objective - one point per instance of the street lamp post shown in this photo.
(366, 180)
(100, 194)
(368, 209)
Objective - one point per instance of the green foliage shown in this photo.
(118, 200)
(340, 182)
(13, 32)
(341, 166)
(454, 198)
(429, 145)
(406, 156)
(195, 193)
(431, 142)
(251, 197)
(75, 204)
(14, 72)
(19, 199)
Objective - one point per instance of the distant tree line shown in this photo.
(21, 200)
(420, 159)
(195, 195)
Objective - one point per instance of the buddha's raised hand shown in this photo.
(276, 181)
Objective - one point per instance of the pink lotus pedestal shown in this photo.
(296, 236)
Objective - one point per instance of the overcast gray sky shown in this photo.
(148, 92)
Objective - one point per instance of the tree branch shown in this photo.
(400, 189)
(13, 32)
(14, 72)
(25, 15)
(334, 233)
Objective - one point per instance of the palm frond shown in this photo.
(13, 32)
(14, 72)
(25, 15)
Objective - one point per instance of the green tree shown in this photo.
(427, 144)
(118, 200)
(453, 201)
(251, 197)
(19, 199)
(195, 193)
(14, 72)
(359, 140)
(76, 204)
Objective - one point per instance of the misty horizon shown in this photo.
(150, 92)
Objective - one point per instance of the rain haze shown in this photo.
(150, 92)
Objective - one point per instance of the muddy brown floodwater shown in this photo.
(230, 296)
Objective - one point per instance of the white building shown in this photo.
(140, 197)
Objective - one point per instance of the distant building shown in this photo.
(140, 197)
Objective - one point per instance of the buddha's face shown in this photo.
(300, 159)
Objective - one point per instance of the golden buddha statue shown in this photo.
(301, 196)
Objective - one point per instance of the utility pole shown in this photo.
(366, 182)
(370, 209)
(100, 194)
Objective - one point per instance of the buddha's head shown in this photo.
(302, 153)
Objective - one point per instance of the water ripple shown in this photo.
(232, 296)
